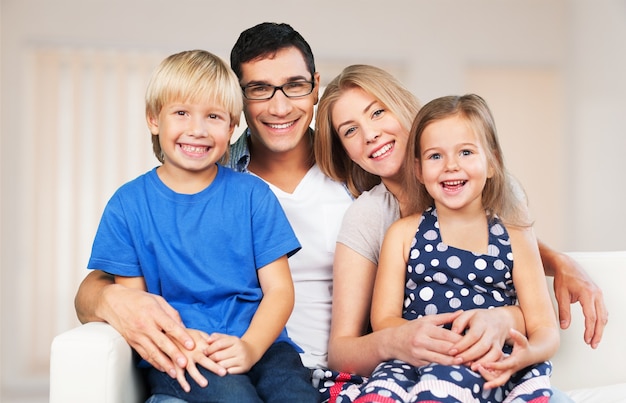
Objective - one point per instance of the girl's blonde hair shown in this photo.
(330, 155)
(196, 76)
(502, 195)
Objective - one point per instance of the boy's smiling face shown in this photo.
(193, 137)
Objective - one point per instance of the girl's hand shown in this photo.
(232, 353)
(484, 332)
(498, 373)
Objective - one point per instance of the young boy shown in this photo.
(212, 242)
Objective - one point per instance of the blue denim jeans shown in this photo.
(279, 376)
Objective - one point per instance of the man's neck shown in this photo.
(285, 169)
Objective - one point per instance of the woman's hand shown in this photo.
(424, 340)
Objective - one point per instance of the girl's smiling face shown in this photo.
(453, 164)
(372, 135)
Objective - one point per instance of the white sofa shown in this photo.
(92, 363)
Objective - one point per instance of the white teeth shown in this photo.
(193, 149)
(281, 126)
(382, 150)
(453, 183)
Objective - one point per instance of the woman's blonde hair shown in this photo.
(196, 76)
(502, 195)
(330, 155)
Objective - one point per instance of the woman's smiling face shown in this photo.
(372, 135)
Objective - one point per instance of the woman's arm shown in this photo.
(145, 320)
(352, 349)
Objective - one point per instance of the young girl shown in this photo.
(456, 253)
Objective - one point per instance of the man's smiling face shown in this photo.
(279, 123)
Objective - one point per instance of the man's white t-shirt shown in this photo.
(315, 210)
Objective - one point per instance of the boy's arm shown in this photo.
(238, 355)
(572, 284)
(146, 321)
(275, 307)
(137, 282)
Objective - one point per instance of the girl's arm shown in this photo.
(534, 299)
(542, 334)
(239, 355)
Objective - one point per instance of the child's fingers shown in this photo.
(493, 378)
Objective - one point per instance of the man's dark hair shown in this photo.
(265, 39)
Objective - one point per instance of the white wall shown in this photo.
(435, 47)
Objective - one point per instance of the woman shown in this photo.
(362, 127)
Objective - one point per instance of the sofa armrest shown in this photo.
(93, 363)
(578, 366)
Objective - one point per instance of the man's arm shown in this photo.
(572, 284)
(146, 321)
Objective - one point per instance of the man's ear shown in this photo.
(153, 124)
(316, 90)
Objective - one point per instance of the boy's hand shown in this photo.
(232, 353)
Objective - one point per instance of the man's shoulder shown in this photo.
(239, 154)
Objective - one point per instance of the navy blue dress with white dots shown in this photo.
(441, 279)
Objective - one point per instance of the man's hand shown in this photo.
(148, 323)
(572, 284)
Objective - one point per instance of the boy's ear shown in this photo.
(153, 124)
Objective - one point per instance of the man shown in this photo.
(276, 70)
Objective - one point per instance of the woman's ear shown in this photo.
(491, 171)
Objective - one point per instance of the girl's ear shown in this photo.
(418, 170)
(153, 124)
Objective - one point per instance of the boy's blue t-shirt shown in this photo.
(200, 251)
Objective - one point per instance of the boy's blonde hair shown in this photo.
(502, 195)
(330, 155)
(196, 76)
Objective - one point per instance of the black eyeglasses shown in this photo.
(294, 89)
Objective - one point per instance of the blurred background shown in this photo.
(73, 75)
